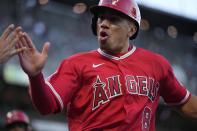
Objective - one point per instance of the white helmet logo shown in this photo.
(114, 2)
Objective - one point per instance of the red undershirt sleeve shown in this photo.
(42, 96)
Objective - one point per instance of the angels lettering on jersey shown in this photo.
(135, 85)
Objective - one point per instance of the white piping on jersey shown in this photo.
(182, 101)
(56, 95)
(115, 57)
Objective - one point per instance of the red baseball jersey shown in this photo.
(103, 92)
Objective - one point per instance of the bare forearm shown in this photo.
(190, 108)
(41, 95)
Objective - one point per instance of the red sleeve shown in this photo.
(41, 95)
(172, 91)
(65, 81)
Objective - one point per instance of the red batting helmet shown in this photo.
(16, 116)
(128, 8)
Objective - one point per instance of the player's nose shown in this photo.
(105, 24)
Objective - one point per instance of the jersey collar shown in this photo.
(115, 57)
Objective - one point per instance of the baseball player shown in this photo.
(114, 88)
(8, 40)
(17, 120)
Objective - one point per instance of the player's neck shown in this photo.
(121, 52)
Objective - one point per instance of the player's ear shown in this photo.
(132, 29)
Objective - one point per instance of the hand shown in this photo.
(7, 42)
(32, 61)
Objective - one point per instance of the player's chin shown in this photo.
(106, 48)
(103, 45)
(102, 42)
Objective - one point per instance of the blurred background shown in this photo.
(168, 28)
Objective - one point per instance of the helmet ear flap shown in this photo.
(94, 24)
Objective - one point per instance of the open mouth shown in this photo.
(103, 35)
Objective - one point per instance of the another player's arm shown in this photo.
(8, 39)
(189, 108)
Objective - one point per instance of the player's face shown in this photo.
(17, 129)
(113, 32)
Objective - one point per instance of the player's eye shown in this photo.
(102, 16)
(114, 18)
(110, 17)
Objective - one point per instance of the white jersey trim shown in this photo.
(115, 57)
(182, 101)
(56, 95)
